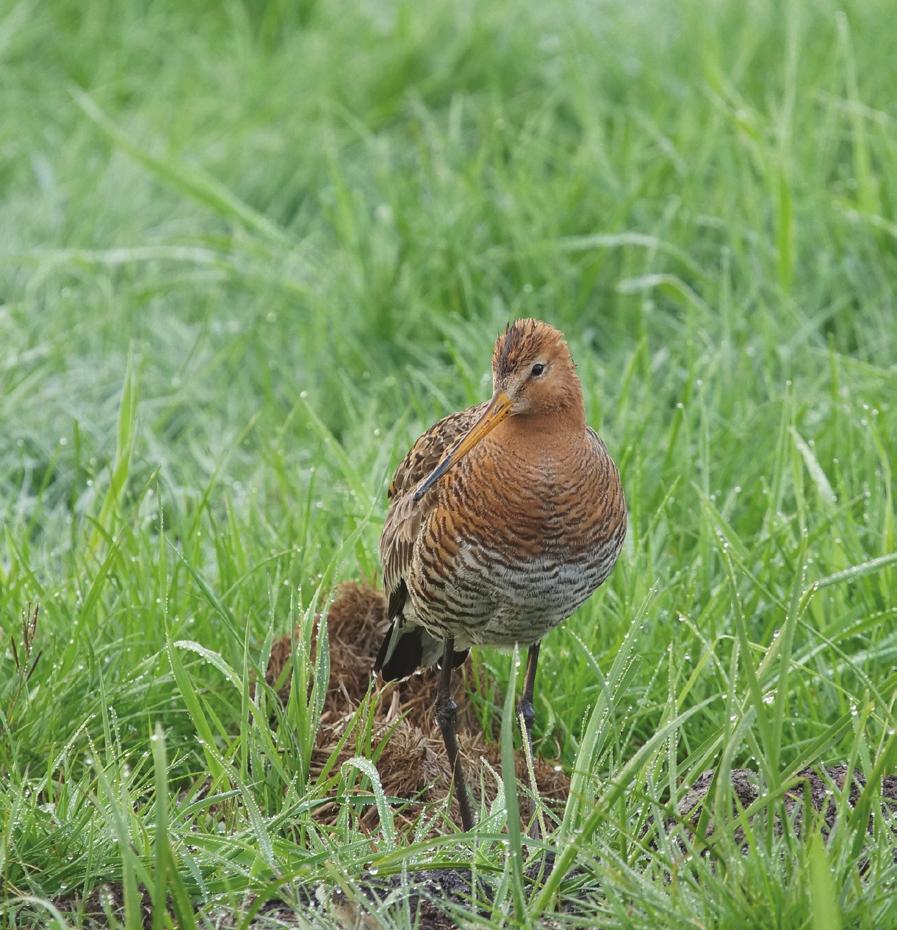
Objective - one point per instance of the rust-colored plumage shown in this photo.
(503, 519)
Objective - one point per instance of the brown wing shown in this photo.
(405, 515)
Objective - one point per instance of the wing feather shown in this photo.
(405, 515)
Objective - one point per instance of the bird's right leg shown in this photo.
(526, 710)
(446, 714)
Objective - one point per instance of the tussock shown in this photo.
(412, 763)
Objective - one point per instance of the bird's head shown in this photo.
(533, 372)
(533, 375)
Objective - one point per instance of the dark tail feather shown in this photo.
(404, 650)
(458, 657)
(404, 656)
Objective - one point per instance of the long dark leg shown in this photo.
(525, 707)
(526, 710)
(446, 712)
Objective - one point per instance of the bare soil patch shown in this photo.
(816, 787)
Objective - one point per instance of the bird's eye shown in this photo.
(538, 369)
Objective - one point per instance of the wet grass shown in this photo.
(249, 252)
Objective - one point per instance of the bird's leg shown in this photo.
(525, 707)
(526, 710)
(446, 713)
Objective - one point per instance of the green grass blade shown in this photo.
(159, 890)
(622, 780)
(826, 913)
(189, 180)
(515, 851)
(124, 450)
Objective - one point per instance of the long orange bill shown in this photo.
(499, 407)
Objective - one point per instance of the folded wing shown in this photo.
(406, 645)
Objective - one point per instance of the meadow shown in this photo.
(250, 250)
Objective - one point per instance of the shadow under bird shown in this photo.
(503, 519)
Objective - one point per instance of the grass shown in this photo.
(249, 251)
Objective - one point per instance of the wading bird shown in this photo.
(503, 519)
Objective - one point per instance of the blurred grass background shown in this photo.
(248, 251)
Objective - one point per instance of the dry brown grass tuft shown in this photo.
(412, 762)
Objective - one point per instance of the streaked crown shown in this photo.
(524, 342)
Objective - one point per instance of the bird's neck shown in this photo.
(562, 424)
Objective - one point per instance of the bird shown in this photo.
(503, 519)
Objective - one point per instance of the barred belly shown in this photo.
(493, 602)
